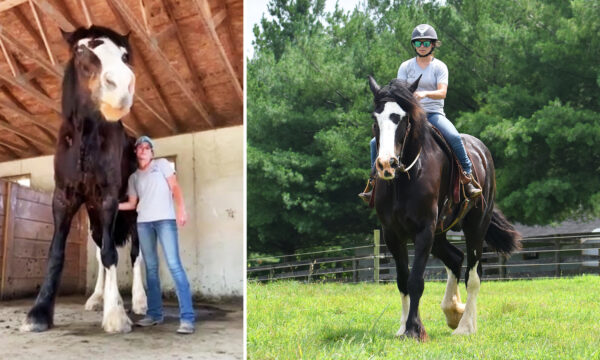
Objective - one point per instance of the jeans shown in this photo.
(166, 232)
(450, 134)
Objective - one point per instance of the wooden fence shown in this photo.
(543, 256)
(26, 229)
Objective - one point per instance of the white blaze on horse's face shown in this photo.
(116, 84)
(388, 121)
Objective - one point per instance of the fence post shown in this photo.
(376, 256)
(557, 257)
(354, 272)
(502, 266)
(311, 268)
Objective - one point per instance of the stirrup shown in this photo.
(365, 195)
(471, 187)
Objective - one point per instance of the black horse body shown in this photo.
(93, 160)
(409, 207)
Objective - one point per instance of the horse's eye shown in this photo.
(125, 58)
(395, 118)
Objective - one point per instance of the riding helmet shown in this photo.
(424, 31)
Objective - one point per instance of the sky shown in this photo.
(254, 9)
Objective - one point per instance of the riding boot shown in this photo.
(472, 188)
(365, 195)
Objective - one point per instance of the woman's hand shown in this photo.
(419, 95)
(182, 217)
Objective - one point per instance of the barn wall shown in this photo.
(210, 172)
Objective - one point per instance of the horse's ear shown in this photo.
(415, 85)
(373, 85)
(67, 36)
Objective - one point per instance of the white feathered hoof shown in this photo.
(465, 328)
(401, 331)
(139, 303)
(94, 303)
(116, 321)
(454, 315)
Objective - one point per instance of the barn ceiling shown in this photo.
(187, 57)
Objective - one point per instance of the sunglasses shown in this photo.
(418, 43)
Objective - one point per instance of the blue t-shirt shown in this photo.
(151, 188)
(435, 73)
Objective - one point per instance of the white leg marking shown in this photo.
(468, 323)
(95, 301)
(138, 294)
(405, 308)
(451, 305)
(115, 319)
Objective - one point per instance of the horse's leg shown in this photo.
(114, 318)
(138, 294)
(474, 232)
(40, 317)
(416, 283)
(452, 257)
(399, 251)
(94, 302)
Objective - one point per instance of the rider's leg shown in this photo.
(368, 191)
(453, 138)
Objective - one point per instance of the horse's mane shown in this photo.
(399, 91)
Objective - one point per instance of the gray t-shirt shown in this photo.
(435, 73)
(151, 188)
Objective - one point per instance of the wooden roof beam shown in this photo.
(19, 149)
(56, 15)
(24, 86)
(9, 4)
(19, 46)
(27, 116)
(207, 19)
(42, 33)
(9, 59)
(132, 22)
(86, 13)
(6, 126)
(186, 55)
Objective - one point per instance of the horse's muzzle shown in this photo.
(386, 168)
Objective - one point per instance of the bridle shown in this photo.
(401, 167)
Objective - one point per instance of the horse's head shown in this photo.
(101, 64)
(395, 107)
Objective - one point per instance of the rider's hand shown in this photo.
(420, 95)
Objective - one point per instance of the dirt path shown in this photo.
(77, 335)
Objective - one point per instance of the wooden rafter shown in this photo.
(9, 59)
(15, 44)
(186, 55)
(56, 15)
(207, 19)
(21, 84)
(27, 116)
(19, 148)
(138, 29)
(34, 140)
(27, 26)
(42, 33)
(86, 13)
(219, 17)
(9, 4)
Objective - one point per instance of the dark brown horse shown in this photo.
(94, 158)
(409, 203)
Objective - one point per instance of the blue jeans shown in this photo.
(450, 134)
(166, 232)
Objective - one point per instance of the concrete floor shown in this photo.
(77, 334)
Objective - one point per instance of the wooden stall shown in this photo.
(26, 231)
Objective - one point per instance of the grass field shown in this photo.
(526, 319)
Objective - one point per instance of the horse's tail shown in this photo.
(501, 235)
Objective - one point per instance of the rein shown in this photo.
(402, 167)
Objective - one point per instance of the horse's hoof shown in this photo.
(465, 328)
(417, 334)
(454, 315)
(38, 319)
(116, 321)
(139, 304)
(94, 303)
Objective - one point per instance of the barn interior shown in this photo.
(188, 61)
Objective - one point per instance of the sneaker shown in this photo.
(185, 328)
(148, 321)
